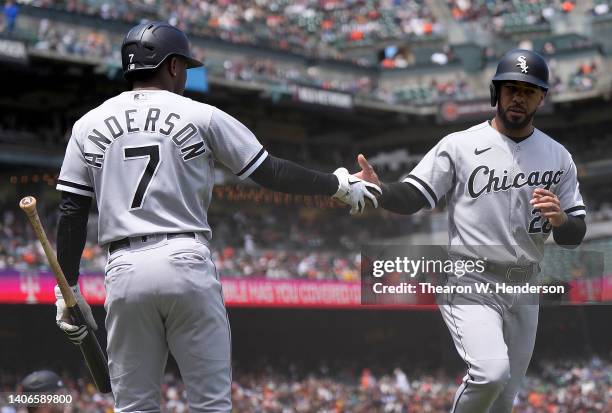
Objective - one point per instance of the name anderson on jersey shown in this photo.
(114, 128)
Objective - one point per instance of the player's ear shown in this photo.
(542, 96)
(173, 66)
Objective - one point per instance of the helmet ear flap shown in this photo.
(493, 92)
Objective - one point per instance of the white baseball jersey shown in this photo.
(148, 155)
(488, 180)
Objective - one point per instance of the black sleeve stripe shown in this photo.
(574, 209)
(73, 185)
(427, 187)
(246, 168)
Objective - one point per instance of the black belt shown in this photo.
(511, 272)
(125, 242)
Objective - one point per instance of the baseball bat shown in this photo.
(90, 347)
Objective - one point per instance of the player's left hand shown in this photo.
(550, 207)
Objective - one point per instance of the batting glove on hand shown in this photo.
(354, 191)
(75, 334)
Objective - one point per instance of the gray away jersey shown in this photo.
(488, 180)
(148, 158)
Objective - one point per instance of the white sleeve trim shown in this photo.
(74, 188)
(424, 191)
(576, 211)
(253, 164)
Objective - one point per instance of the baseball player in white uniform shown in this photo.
(147, 156)
(508, 186)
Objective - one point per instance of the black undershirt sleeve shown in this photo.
(72, 233)
(285, 176)
(571, 233)
(401, 198)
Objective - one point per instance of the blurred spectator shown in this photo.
(43, 382)
(501, 16)
(585, 77)
(601, 8)
(91, 44)
(11, 10)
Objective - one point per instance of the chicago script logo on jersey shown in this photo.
(503, 182)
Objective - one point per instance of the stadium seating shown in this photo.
(559, 386)
(510, 17)
(313, 27)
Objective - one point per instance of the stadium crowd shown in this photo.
(281, 78)
(553, 386)
(256, 70)
(90, 44)
(501, 16)
(284, 243)
(273, 242)
(311, 27)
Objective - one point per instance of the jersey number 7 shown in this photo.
(136, 152)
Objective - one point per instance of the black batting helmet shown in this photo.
(147, 45)
(42, 381)
(523, 66)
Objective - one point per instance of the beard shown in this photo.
(514, 122)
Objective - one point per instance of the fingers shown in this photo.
(373, 188)
(372, 198)
(542, 192)
(550, 214)
(547, 202)
(547, 206)
(541, 201)
(75, 334)
(364, 164)
(67, 327)
(358, 207)
(546, 198)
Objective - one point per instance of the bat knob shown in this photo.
(28, 203)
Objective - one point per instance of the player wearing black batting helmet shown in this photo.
(43, 382)
(163, 293)
(508, 188)
(521, 74)
(522, 66)
(147, 45)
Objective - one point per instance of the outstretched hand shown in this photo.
(367, 173)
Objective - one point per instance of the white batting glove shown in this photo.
(354, 191)
(75, 333)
